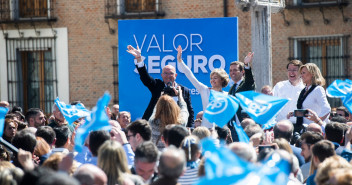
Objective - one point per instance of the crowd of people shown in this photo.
(164, 147)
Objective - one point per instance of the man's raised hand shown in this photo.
(248, 59)
(133, 51)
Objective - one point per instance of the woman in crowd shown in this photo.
(41, 149)
(167, 112)
(313, 97)
(218, 80)
(112, 160)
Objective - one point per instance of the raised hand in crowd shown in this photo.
(25, 158)
(348, 138)
(179, 53)
(4, 104)
(313, 116)
(118, 135)
(135, 52)
(248, 59)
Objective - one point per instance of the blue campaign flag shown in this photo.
(242, 136)
(223, 167)
(221, 108)
(260, 107)
(341, 89)
(3, 112)
(272, 122)
(97, 120)
(72, 112)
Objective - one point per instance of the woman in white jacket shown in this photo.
(218, 80)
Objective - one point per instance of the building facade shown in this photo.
(68, 49)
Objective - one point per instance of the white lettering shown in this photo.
(164, 50)
(196, 43)
(216, 57)
(183, 47)
(194, 91)
(200, 65)
(166, 58)
(152, 64)
(135, 39)
(150, 44)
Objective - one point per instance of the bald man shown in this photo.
(91, 175)
(172, 164)
(156, 86)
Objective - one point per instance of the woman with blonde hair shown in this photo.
(112, 160)
(312, 98)
(167, 112)
(218, 80)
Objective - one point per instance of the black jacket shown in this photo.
(156, 86)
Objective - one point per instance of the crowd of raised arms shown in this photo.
(163, 148)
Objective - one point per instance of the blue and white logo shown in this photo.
(217, 106)
(221, 109)
(260, 107)
(341, 89)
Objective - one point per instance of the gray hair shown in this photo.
(172, 162)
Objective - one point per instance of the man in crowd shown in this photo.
(308, 141)
(35, 117)
(124, 118)
(156, 86)
(172, 164)
(241, 75)
(59, 120)
(115, 111)
(289, 89)
(342, 111)
(146, 157)
(284, 129)
(138, 132)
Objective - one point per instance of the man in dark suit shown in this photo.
(156, 86)
(242, 76)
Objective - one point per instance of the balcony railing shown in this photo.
(133, 8)
(314, 3)
(13, 11)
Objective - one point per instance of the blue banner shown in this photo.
(208, 43)
(260, 107)
(341, 89)
(221, 108)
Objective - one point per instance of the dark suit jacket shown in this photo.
(247, 84)
(156, 86)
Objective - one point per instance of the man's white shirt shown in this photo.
(285, 89)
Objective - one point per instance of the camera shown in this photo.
(169, 89)
(262, 147)
(300, 113)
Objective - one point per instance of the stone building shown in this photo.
(68, 49)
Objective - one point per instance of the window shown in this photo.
(140, 6)
(32, 72)
(33, 8)
(132, 8)
(330, 54)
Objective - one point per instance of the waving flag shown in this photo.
(97, 120)
(341, 89)
(242, 136)
(260, 107)
(221, 108)
(3, 112)
(71, 112)
(223, 167)
(269, 124)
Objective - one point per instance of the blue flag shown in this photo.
(221, 108)
(260, 107)
(341, 89)
(223, 167)
(97, 120)
(272, 122)
(3, 112)
(71, 112)
(242, 136)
